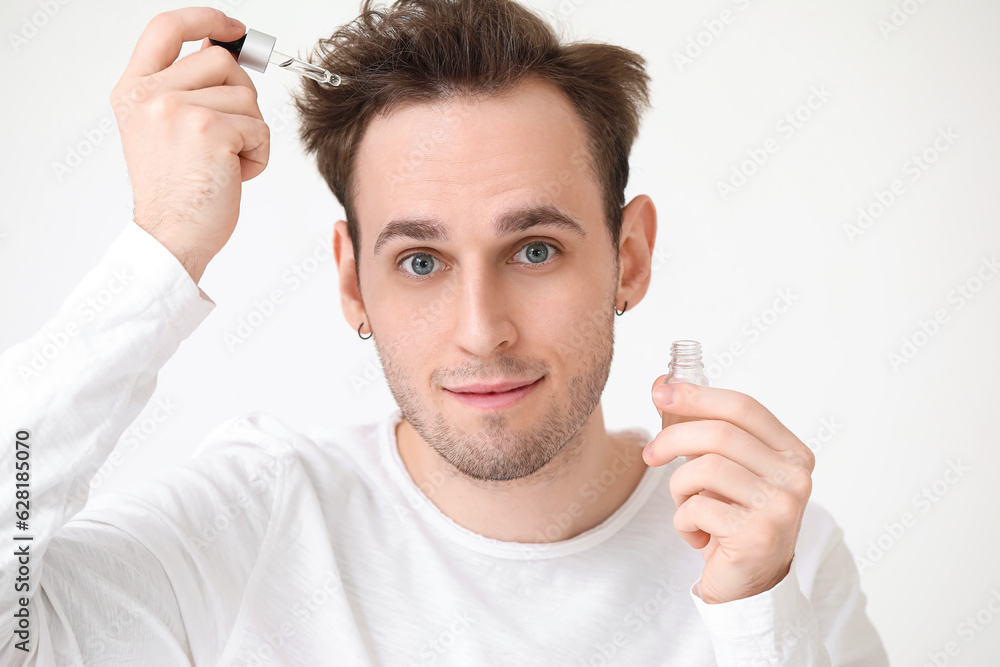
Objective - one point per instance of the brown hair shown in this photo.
(427, 50)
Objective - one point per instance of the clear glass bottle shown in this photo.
(685, 366)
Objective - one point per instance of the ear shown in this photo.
(350, 292)
(635, 245)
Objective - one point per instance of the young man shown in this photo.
(491, 519)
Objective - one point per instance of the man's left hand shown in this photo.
(742, 491)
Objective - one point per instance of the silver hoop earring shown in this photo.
(623, 309)
(364, 337)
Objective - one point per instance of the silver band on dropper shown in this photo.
(256, 51)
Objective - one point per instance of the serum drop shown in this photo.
(685, 366)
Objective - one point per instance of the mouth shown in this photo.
(494, 400)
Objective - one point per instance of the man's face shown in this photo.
(468, 306)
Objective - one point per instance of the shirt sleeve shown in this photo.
(68, 393)
(784, 626)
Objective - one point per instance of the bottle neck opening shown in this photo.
(686, 354)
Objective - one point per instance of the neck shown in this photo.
(584, 484)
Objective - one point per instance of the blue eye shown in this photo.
(537, 250)
(422, 264)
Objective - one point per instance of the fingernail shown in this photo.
(664, 394)
(236, 23)
(647, 452)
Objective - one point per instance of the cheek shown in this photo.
(573, 327)
(412, 333)
(414, 316)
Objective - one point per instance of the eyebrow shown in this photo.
(512, 222)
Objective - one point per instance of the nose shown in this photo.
(483, 310)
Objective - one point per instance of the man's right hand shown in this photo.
(191, 132)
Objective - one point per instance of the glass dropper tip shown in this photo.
(326, 77)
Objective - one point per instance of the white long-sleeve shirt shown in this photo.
(271, 546)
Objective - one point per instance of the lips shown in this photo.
(494, 400)
(491, 388)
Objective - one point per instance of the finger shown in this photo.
(699, 539)
(697, 438)
(730, 481)
(236, 135)
(161, 41)
(656, 382)
(691, 400)
(252, 142)
(202, 69)
(226, 99)
(700, 517)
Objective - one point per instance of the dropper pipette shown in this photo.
(255, 50)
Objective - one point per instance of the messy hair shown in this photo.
(430, 50)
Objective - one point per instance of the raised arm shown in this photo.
(192, 132)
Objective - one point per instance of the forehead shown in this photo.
(467, 161)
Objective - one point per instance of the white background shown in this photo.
(721, 261)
